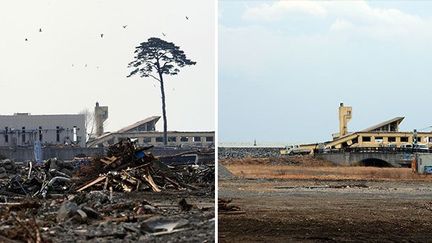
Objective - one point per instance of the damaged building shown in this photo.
(145, 133)
(24, 129)
(384, 134)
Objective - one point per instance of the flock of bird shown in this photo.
(101, 36)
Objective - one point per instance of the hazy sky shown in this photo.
(37, 75)
(284, 67)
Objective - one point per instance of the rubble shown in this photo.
(248, 152)
(128, 195)
(225, 207)
(128, 168)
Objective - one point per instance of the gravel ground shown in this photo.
(252, 152)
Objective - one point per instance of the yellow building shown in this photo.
(385, 134)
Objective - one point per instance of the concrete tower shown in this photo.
(344, 118)
(101, 114)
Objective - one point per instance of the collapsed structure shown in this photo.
(145, 133)
(96, 198)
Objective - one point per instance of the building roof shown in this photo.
(398, 120)
(139, 123)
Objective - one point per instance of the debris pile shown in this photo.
(225, 207)
(7, 166)
(129, 168)
(110, 198)
(36, 180)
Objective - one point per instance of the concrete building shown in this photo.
(100, 115)
(145, 132)
(23, 129)
(384, 134)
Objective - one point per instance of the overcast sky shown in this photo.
(48, 74)
(284, 67)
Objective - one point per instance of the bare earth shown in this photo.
(292, 203)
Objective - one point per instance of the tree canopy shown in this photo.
(160, 56)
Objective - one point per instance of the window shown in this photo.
(23, 135)
(146, 140)
(6, 135)
(378, 139)
(419, 139)
(391, 139)
(404, 139)
(58, 134)
(40, 134)
(366, 139)
(159, 139)
(197, 139)
(74, 134)
(184, 139)
(172, 139)
(209, 139)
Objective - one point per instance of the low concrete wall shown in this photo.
(23, 154)
(394, 159)
(339, 158)
(424, 163)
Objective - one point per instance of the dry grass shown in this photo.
(323, 172)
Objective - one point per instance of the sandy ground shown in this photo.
(287, 203)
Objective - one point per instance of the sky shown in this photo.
(68, 67)
(284, 67)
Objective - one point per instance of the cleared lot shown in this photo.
(325, 204)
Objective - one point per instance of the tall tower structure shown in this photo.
(101, 114)
(344, 118)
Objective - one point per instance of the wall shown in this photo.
(395, 159)
(424, 162)
(115, 137)
(48, 124)
(23, 154)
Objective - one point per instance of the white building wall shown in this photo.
(48, 123)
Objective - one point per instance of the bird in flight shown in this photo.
(163, 34)
(187, 18)
(102, 35)
(124, 26)
(26, 39)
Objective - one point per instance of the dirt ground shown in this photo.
(292, 203)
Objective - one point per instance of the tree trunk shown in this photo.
(163, 109)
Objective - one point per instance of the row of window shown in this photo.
(174, 139)
(389, 139)
(40, 136)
